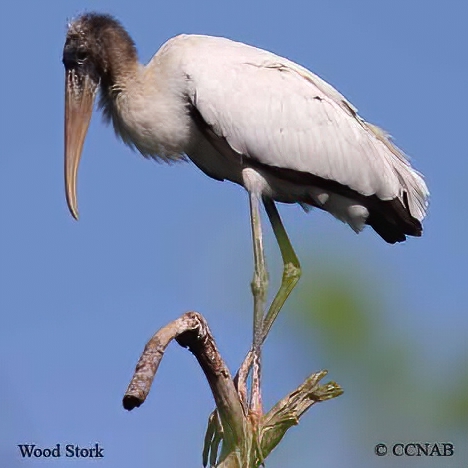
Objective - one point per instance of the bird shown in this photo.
(248, 116)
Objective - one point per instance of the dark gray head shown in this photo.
(97, 46)
(97, 52)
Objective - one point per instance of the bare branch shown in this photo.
(244, 443)
(286, 413)
(191, 331)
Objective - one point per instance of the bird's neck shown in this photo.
(121, 69)
(120, 73)
(148, 108)
(118, 57)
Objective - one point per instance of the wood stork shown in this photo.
(248, 116)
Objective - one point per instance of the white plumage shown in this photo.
(264, 109)
(248, 116)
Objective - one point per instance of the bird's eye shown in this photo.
(73, 57)
(80, 56)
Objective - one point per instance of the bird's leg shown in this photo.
(253, 360)
(259, 291)
(291, 275)
(262, 325)
(292, 267)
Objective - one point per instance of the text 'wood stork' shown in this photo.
(248, 116)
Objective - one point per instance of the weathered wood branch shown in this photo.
(244, 444)
(191, 331)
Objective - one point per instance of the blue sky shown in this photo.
(79, 300)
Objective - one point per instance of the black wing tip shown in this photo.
(393, 222)
(393, 238)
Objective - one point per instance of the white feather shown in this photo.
(270, 110)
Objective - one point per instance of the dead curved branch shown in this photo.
(244, 444)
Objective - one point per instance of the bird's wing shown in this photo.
(278, 113)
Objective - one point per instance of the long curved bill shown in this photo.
(80, 91)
